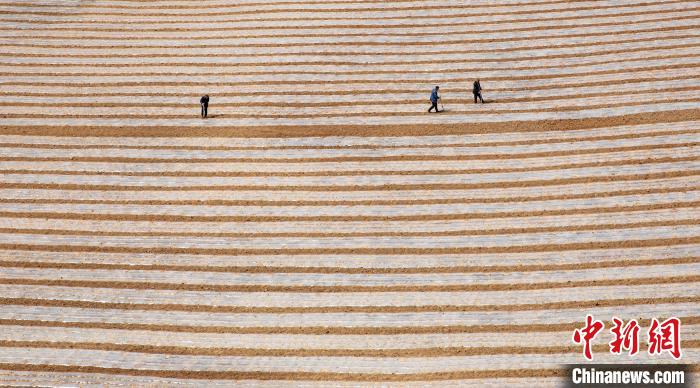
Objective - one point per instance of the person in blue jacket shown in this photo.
(434, 100)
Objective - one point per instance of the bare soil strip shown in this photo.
(343, 43)
(320, 330)
(211, 45)
(339, 251)
(420, 352)
(552, 140)
(322, 10)
(326, 18)
(336, 28)
(341, 158)
(627, 262)
(56, 63)
(334, 31)
(352, 130)
(66, 232)
(579, 304)
(315, 188)
(287, 376)
(184, 5)
(356, 172)
(465, 200)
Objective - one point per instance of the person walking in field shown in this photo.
(434, 97)
(204, 102)
(477, 91)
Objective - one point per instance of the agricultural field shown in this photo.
(320, 227)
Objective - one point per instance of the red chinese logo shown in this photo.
(587, 334)
(626, 337)
(663, 337)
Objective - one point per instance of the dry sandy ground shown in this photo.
(320, 227)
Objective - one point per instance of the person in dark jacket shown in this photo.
(477, 91)
(434, 100)
(204, 102)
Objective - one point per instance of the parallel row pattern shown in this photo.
(121, 63)
(466, 257)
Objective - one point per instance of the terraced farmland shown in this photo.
(320, 228)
